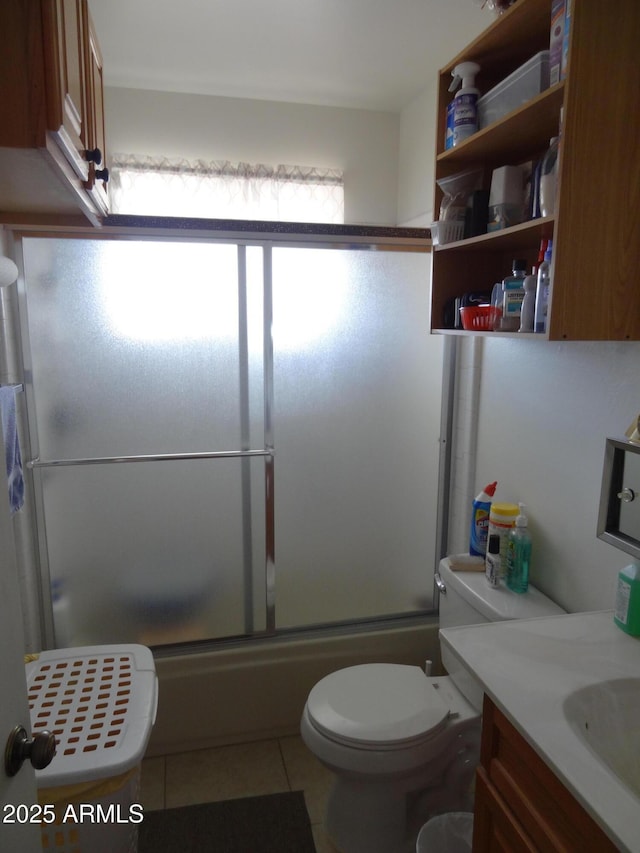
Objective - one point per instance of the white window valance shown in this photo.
(159, 186)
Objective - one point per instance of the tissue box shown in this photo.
(506, 199)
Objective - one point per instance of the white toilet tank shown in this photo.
(467, 599)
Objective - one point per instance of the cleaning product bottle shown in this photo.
(480, 521)
(548, 178)
(542, 290)
(492, 570)
(627, 606)
(519, 554)
(465, 112)
(448, 133)
(513, 297)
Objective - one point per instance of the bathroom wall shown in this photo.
(364, 144)
(534, 415)
(416, 159)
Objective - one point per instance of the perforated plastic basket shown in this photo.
(100, 702)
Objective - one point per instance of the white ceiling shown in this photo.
(367, 54)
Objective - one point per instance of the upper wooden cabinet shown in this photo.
(52, 138)
(596, 227)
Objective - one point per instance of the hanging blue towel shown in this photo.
(12, 447)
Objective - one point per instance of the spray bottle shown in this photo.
(480, 521)
(465, 112)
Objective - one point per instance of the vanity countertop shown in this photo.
(528, 668)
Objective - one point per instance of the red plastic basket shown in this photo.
(478, 318)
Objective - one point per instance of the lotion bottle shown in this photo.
(528, 310)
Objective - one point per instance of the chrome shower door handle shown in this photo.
(440, 584)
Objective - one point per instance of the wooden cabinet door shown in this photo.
(516, 792)
(495, 830)
(95, 113)
(64, 52)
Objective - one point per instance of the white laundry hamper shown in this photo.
(100, 702)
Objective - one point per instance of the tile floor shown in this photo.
(243, 770)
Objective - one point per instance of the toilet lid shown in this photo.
(376, 705)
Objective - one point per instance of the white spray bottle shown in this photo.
(465, 111)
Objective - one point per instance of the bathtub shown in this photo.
(257, 690)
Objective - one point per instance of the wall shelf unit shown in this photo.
(596, 227)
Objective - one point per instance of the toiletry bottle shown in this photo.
(492, 561)
(513, 297)
(627, 605)
(528, 310)
(465, 112)
(519, 554)
(496, 306)
(502, 518)
(542, 290)
(548, 182)
(480, 521)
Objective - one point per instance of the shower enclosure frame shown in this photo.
(36, 577)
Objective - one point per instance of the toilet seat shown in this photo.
(377, 706)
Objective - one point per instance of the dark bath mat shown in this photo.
(276, 823)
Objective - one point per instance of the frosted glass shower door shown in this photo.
(357, 407)
(183, 395)
(138, 349)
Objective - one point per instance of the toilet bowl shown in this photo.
(403, 745)
(387, 730)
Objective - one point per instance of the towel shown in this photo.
(12, 447)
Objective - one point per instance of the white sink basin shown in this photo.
(606, 716)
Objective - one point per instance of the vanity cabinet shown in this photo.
(520, 804)
(52, 138)
(595, 228)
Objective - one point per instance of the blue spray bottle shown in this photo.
(480, 521)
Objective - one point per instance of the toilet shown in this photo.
(404, 745)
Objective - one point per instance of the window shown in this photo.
(149, 186)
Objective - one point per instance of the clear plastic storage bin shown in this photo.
(100, 702)
(521, 86)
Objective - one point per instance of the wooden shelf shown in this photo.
(514, 37)
(517, 137)
(506, 239)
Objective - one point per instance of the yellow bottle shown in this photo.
(502, 517)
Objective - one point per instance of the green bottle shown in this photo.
(627, 606)
(519, 554)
